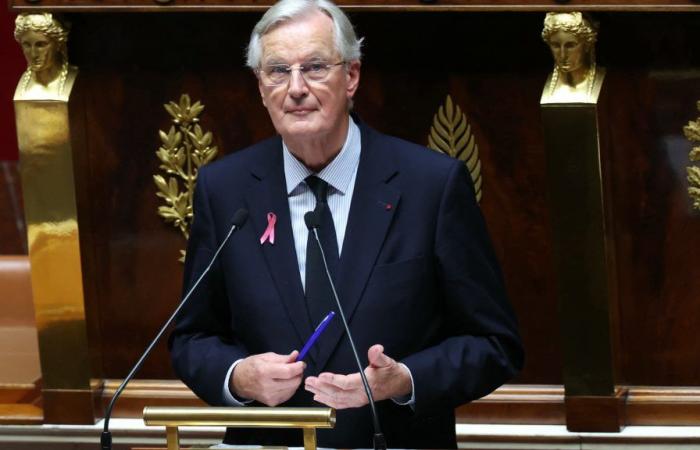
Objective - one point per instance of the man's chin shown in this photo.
(301, 128)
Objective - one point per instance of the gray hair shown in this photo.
(346, 41)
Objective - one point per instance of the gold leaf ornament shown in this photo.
(451, 134)
(183, 150)
(692, 132)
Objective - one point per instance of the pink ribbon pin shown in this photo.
(269, 234)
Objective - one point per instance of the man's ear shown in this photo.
(352, 75)
(261, 89)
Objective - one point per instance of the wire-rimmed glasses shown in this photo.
(280, 74)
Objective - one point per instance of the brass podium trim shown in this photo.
(308, 419)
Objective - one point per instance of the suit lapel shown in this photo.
(269, 194)
(373, 207)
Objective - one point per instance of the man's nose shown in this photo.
(297, 84)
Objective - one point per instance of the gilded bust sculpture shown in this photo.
(571, 37)
(43, 39)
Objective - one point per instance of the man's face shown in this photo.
(38, 50)
(568, 51)
(299, 108)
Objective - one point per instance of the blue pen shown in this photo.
(314, 337)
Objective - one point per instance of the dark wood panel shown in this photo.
(518, 405)
(663, 406)
(496, 78)
(134, 254)
(127, 80)
(650, 95)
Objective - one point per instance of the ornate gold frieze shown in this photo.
(184, 149)
(692, 132)
(452, 134)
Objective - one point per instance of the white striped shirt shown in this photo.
(340, 175)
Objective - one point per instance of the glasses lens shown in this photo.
(315, 71)
(276, 74)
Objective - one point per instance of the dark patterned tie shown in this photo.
(319, 296)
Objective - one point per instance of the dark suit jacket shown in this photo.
(417, 274)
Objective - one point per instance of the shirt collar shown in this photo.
(338, 173)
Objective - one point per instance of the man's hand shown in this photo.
(269, 378)
(386, 378)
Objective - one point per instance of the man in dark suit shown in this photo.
(405, 241)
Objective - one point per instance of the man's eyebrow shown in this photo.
(275, 61)
(317, 57)
(279, 61)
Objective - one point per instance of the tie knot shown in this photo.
(318, 187)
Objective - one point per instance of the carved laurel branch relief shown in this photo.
(184, 149)
(451, 134)
(692, 132)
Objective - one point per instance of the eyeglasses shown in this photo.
(280, 74)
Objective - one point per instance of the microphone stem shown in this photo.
(379, 441)
(106, 439)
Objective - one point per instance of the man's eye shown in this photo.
(314, 67)
(278, 70)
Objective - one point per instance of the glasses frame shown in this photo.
(260, 73)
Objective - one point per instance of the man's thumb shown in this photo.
(292, 357)
(377, 358)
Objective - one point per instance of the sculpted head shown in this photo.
(43, 40)
(306, 57)
(571, 38)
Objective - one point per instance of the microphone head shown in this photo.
(312, 220)
(240, 217)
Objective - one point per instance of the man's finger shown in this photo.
(284, 371)
(344, 402)
(319, 385)
(285, 385)
(292, 357)
(275, 357)
(377, 358)
(344, 382)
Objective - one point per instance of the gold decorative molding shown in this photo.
(452, 134)
(692, 132)
(184, 149)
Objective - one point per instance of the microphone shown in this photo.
(313, 221)
(238, 220)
